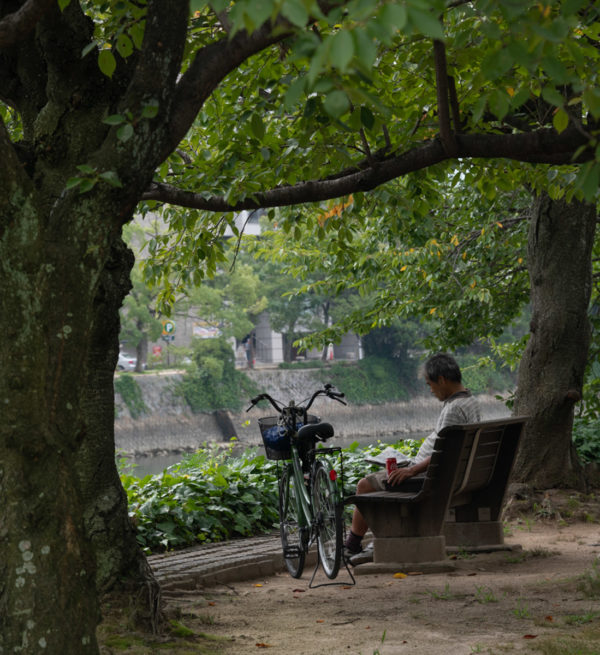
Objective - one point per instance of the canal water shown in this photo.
(151, 465)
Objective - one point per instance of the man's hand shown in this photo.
(399, 475)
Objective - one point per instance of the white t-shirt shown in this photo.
(462, 407)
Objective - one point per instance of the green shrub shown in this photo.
(309, 363)
(484, 375)
(212, 496)
(213, 382)
(209, 497)
(372, 380)
(586, 439)
(129, 390)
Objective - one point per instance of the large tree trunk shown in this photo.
(64, 531)
(561, 237)
(64, 527)
(118, 556)
(48, 600)
(120, 562)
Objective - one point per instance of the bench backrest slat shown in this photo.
(481, 450)
(477, 460)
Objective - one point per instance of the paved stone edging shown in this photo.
(220, 563)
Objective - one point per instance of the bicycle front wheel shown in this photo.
(328, 517)
(290, 524)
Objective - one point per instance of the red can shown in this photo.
(391, 464)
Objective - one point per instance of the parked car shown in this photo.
(126, 363)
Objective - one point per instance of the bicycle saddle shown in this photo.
(321, 431)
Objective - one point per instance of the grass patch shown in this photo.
(521, 610)
(485, 595)
(580, 643)
(581, 619)
(118, 634)
(441, 595)
(525, 555)
(589, 583)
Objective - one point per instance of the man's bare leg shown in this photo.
(359, 526)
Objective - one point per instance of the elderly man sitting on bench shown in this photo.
(443, 376)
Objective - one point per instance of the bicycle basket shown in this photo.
(275, 440)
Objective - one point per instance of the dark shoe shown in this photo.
(349, 554)
(365, 555)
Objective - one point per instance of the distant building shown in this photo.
(269, 345)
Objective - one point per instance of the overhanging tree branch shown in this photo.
(210, 66)
(443, 95)
(541, 146)
(214, 62)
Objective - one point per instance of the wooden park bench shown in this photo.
(456, 502)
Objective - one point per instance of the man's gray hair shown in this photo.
(444, 365)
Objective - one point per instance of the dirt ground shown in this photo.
(544, 598)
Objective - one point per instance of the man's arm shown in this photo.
(399, 475)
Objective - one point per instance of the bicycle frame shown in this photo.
(309, 487)
(305, 508)
(304, 505)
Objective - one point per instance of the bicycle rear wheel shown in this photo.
(328, 517)
(290, 524)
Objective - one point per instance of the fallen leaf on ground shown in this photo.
(399, 575)
(210, 602)
(529, 636)
(415, 573)
(258, 584)
(549, 618)
(261, 645)
(298, 591)
(320, 621)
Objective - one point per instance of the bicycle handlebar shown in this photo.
(327, 390)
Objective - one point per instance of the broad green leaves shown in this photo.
(107, 62)
(118, 29)
(461, 269)
(359, 84)
(89, 176)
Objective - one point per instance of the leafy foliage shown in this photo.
(213, 381)
(360, 87)
(129, 390)
(208, 497)
(586, 437)
(485, 374)
(213, 496)
(139, 322)
(373, 380)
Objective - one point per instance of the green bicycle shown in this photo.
(310, 491)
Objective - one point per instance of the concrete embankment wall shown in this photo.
(169, 425)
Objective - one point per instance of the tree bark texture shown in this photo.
(551, 372)
(64, 529)
(120, 562)
(105, 515)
